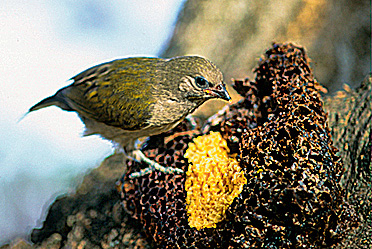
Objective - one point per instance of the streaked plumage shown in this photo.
(126, 99)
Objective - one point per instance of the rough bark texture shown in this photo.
(90, 218)
(350, 121)
(233, 34)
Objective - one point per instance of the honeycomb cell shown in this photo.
(279, 132)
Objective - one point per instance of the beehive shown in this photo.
(292, 197)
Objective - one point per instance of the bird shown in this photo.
(124, 100)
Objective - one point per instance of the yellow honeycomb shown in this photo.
(214, 178)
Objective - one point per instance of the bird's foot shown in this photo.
(152, 167)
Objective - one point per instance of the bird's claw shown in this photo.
(152, 167)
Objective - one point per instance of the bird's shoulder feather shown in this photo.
(118, 93)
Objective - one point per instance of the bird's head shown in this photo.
(198, 79)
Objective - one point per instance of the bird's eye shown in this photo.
(201, 82)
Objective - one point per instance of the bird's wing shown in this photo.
(116, 93)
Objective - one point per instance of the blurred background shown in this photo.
(44, 43)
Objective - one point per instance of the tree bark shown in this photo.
(233, 34)
(350, 122)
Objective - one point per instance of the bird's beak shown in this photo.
(219, 91)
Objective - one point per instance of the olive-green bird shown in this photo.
(126, 99)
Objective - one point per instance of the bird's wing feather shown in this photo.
(117, 93)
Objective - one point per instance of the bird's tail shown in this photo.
(44, 103)
(52, 100)
(57, 99)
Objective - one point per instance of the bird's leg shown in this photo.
(152, 167)
(138, 154)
